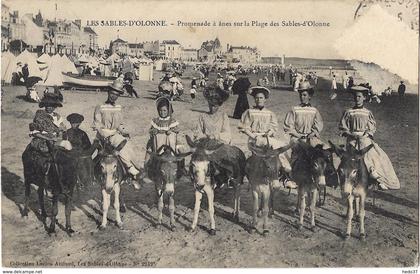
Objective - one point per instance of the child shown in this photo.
(193, 89)
(78, 138)
(163, 130)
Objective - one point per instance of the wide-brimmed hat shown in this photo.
(164, 101)
(305, 86)
(75, 118)
(259, 89)
(50, 100)
(215, 95)
(361, 89)
(117, 87)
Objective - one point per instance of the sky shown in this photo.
(316, 42)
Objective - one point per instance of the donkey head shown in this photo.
(352, 169)
(318, 161)
(109, 172)
(165, 164)
(201, 168)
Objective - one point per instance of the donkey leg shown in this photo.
(42, 204)
(68, 207)
(106, 200)
(54, 213)
(255, 210)
(117, 190)
(266, 196)
(302, 204)
(197, 205)
(25, 210)
(210, 198)
(160, 209)
(271, 204)
(350, 213)
(312, 208)
(357, 206)
(237, 203)
(172, 211)
(362, 217)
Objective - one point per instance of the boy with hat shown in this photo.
(358, 126)
(108, 123)
(77, 137)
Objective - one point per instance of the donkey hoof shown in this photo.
(362, 237)
(173, 228)
(299, 227)
(236, 218)
(253, 230)
(191, 229)
(212, 232)
(70, 230)
(120, 226)
(259, 213)
(102, 227)
(266, 232)
(270, 215)
(314, 228)
(347, 236)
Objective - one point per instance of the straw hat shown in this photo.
(259, 89)
(361, 89)
(117, 87)
(306, 86)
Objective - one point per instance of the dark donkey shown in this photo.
(262, 170)
(55, 170)
(309, 172)
(354, 183)
(162, 171)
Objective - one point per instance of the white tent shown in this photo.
(146, 72)
(8, 66)
(54, 75)
(44, 58)
(159, 65)
(68, 66)
(29, 58)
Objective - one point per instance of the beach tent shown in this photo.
(43, 59)
(159, 65)
(8, 66)
(29, 58)
(68, 66)
(146, 72)
(43, 62)
(54, 75)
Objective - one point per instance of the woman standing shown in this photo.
(358, 125)
(241, 87)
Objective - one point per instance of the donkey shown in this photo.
(309, 172)
(56, 171)
(208, 158)
(162, 171)
(354, 183)
(110, 175)
(262, 170)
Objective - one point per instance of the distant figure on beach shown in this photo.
(401, 90)
(333, 87)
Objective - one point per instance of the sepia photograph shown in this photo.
(209, 134)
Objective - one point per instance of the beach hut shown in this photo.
(68, 66)
(146, 72)
(8, 66)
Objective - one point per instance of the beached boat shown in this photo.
(87, 81)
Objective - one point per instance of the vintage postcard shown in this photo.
(209, 134)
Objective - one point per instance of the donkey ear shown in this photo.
(190, 141)
(280, 150)
(337, 150)
(364, 150)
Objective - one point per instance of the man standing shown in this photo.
(333, 87)
(401, 90)
(108, 123)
